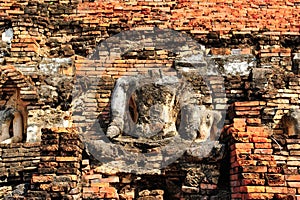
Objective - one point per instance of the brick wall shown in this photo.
(264, 160)
(58, 175)
(17, 164)
(262, 166)
(64, 29)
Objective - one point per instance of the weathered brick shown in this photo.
(256, 169)
(248, 103)
(109, 192)
(253, 189)
(253, 182)
(293, 177)
(258, 196)
(260, 140)
(280, 190)
(42, 178)
(255, 129)
(294, 184)
(263, 145)
(263, 151)
(90, 190)
(242, 146)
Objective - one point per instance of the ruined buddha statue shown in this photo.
(158, 107)
(291, 122)
(11, 127)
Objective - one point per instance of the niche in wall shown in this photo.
(13, 118)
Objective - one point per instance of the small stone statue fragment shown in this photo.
(11, 126)
(291, 122)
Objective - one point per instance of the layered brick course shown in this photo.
(18, 162)
(60, 28)
(12, 78)
(258, 169)
(58, 175)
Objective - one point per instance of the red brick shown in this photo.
(260, 134)
(234, 170)
(262, 157)
(293, 146)
(92, 176)
(239, 127)
(109, 192)
(208, 186)
(90, 189)
(263, 151)
(42, 178)
(253, 189)
(293, 184)
(246, 113)
(256, 169)
(234, 177)
(293, 163)
(253, 182)
(292, 191)
(250, 175)
(239, 120)
(247, 108)
(235, 183)
(293, 141)
(263, 145)
(275, 179)
(241, 137)
(45, 187)
(240, 151)
(242, 146)
(253, 121)
(235, 189)
(291, 170)
(99, 184)
(88, 195)
(269, 54)
(275, 169)
(247, 103)
(255, 129)
(260, 139)
(281, 190)
(236, 196)
(247, 162)
(110, 179)
(261, 196)
(293, 177)
(295, 153)
(235, 164)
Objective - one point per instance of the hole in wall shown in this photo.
(133, 110)
(11, 129)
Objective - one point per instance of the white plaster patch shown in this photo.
(33, 133)
(53, 65)
(241, 68)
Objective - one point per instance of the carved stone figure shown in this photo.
(199, 123)
(158, 107)
(147, 106)
(11, 126)
(291, 122)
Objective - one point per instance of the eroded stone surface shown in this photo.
(160, 107)
(291, 122)
(154, 105)
(11, 123)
